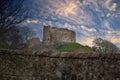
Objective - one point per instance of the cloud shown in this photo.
(71, 27)
(107, 3)
(68, 8)
(81, 29)
(30, 21)
(74, 11)
(88, 29)
(111, 35)
(71, 11)
(84, 40)
(110, 7)
(107, 25)
(114, 39)
(94, 4)
(108, 15)
(46, 23)
(113, 7)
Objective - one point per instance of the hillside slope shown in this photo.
(73, 47)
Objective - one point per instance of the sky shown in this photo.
(90, 19)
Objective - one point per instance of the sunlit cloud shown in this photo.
(113, 7)
(114, 39)
(67, 9)
(112, 36)
(107, 3)
(71, 11)
(84, 40)
(107, 25)
(88, 29)
(110, 7)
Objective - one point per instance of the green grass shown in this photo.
(63, 47)
(73, 47)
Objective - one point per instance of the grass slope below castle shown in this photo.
(63, 47)
(74, 47)
(67, 47)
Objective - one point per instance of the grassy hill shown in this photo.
(73, 47)
(63, 47)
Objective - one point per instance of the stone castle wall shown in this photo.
(29, 66)
(34, 42)
(53, 35)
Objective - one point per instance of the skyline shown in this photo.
(90, 19)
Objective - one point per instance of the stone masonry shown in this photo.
(24, 65)
(34, 42)
(52, 35)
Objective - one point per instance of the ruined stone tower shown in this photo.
(34, 42)
(52, 35)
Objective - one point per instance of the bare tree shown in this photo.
(14, 38)
(27, 33)
(17, 37)
(11, 12)
(104, 46)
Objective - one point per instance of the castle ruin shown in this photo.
(34, 42)
(52, 35)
